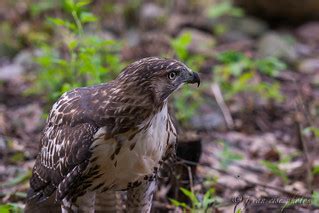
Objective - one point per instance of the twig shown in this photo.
(279, 189)
(190, 176)
(308, 160)
(222, 105)
(304, 110)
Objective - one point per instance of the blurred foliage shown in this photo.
(311, 130)
(273, 167)
(315, 198)
(237, 73)
(227, 157)
(39, 7)
(180, 47)
(315, 170)
(20, 178)
(187, 100)
(10, 208)
(81, 59)
(9, 44)
(197, 205)
(224, 8)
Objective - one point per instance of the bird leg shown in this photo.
(84, 203)
(139, 199)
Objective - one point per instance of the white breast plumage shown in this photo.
(126, 158)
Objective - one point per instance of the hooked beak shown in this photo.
(194, 78)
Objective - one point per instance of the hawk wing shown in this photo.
(69, 133)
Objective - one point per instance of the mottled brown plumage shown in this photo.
(110, 137)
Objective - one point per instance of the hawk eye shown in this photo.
(172, 75)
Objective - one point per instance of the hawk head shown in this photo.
(156, 77)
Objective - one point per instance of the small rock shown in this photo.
(106, 35)
(252, 26)
(208, 117)
(208, 121)
(176, 22)
(202, 43)
(132, 38)
(151, 16)
(3, 144)
(264, 146)
(309, 32)
(25, 59)
(28, 118)
(309, 65)
(234, 36)
(11, 72)
(248, 26)
(273, 44)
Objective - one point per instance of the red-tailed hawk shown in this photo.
(110, 137)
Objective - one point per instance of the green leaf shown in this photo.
(315, 198)
(19, 179)
(312, 129)
(69, 5)
(180, 45)
(227, 156)
(224, 8)
(86, 17)
(43, 6)
(73, 44)
(228, 57)
(191, 196)
(270, 66)
(83, 3)
(208, 200)
(178, 204)
(315, 170)
(57, 21)
(273, 168)
(17, 157)
(10, 207)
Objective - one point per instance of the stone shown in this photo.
(176, 22)
(11, 72)
(234, 36)
(25, 59)
(310, 65)
(274, 44)
(248, 26)
(208, 117)
(202, 42)
(309, 32)
(151, 16)
(252, 26)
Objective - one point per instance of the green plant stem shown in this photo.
(77, 22)
(73, 67)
